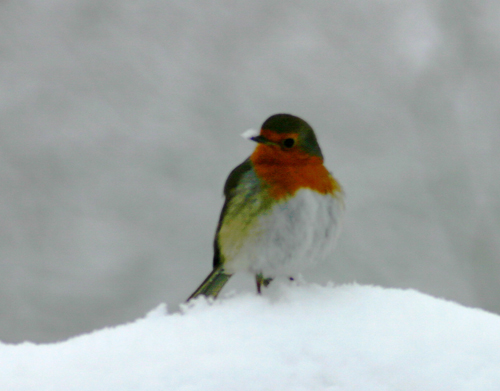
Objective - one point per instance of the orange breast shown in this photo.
(286, 172)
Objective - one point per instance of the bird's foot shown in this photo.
(261, 281)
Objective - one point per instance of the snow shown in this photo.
(305, 337)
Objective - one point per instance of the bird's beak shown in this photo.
(262, 140)
(252, 134)
(259, 139)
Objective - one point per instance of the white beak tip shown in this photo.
(248, 134)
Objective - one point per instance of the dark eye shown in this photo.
(289, 142)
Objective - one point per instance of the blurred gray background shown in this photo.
(120, 120)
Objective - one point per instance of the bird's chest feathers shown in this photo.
(282, 215)
(284, 173)
(285, 180)
(285, 238)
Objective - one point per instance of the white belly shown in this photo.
(291, 236)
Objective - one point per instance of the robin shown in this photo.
(282, 208)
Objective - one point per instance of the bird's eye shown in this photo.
(289, 142)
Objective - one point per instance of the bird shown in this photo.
(282, 210)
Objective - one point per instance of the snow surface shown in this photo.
(304, 337)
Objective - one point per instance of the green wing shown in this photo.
(216, 280)
(232, 182)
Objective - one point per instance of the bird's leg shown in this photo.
(261, 281)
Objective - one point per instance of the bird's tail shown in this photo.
(212, 284)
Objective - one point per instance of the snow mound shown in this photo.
(297, 338)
